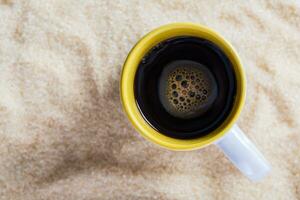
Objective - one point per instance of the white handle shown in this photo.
(243, 154)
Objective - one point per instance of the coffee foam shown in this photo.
(187, 89)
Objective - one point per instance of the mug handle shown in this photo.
(243, 154)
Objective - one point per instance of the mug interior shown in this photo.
(131, 65)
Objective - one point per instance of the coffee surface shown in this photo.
(187, 89)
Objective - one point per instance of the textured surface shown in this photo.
(62, 131)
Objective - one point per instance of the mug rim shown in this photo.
(130, 67)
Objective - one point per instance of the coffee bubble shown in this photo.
(192, 87)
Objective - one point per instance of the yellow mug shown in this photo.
(227, 136)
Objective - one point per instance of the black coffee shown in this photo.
(185, 87)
